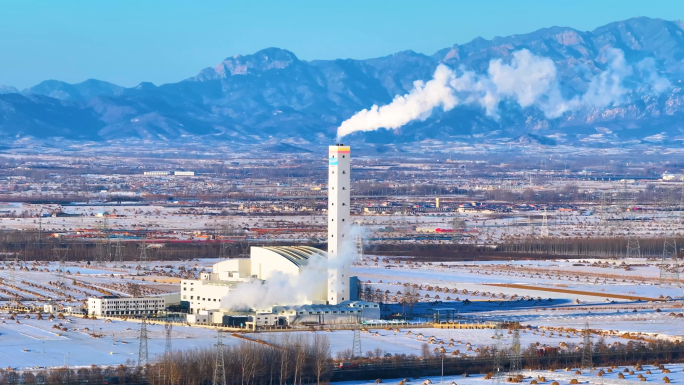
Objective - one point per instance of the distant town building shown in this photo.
(156, 173)
(668, 176)
(166, 173)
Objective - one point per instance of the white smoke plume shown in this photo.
(528, 79)
(284, 289)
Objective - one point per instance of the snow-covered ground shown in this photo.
(562, 377)
(466, 342)
(33, 342)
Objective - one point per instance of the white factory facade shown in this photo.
(125, 306)
(331, 300)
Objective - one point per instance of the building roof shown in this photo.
(342, 306)
(299, 255)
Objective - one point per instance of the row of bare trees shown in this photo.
(292, 360)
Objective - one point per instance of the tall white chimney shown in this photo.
(338, 223)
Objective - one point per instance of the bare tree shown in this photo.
(321, 356)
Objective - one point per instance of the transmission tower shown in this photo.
(633, 248)
(59, 254)
(108, 241)
(457, 223)
(356, 345)
(404, 210)
(516, 350)
(219, 366)
(587, 362)
(118, 253)
(12, 277)
(545, 225)
(40, 228)
(142, 351)
(102, 248)
(223, 235)
(168, 326)
(530, 224)
(670, 274)
(498, 355)
(358, 242)
(312, 233)
(142, 259)
(603, 222)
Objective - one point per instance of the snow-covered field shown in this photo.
(34, 342)
(562, 377)
(457, 343)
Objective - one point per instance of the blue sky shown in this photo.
(128, 41)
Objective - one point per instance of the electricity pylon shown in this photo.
(142, 351)
(356, 343)
(498, 355)
(359, 246)
(118, 253)
(168, 327)
(457, 224)
(142, 259)
(59, 254)
(219, 366)
(545, 225)
(516, 351)
(670, 274)
(587, 362)
(633, 248)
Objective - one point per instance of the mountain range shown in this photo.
(272, 94)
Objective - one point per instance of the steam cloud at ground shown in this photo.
(284, 289)
(528, 79)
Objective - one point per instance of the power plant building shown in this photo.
(331, 295)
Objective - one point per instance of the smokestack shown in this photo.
(338, 223)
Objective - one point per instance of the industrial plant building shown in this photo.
(118, 306)
(333, 294)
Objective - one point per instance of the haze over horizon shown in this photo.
(164, 43)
